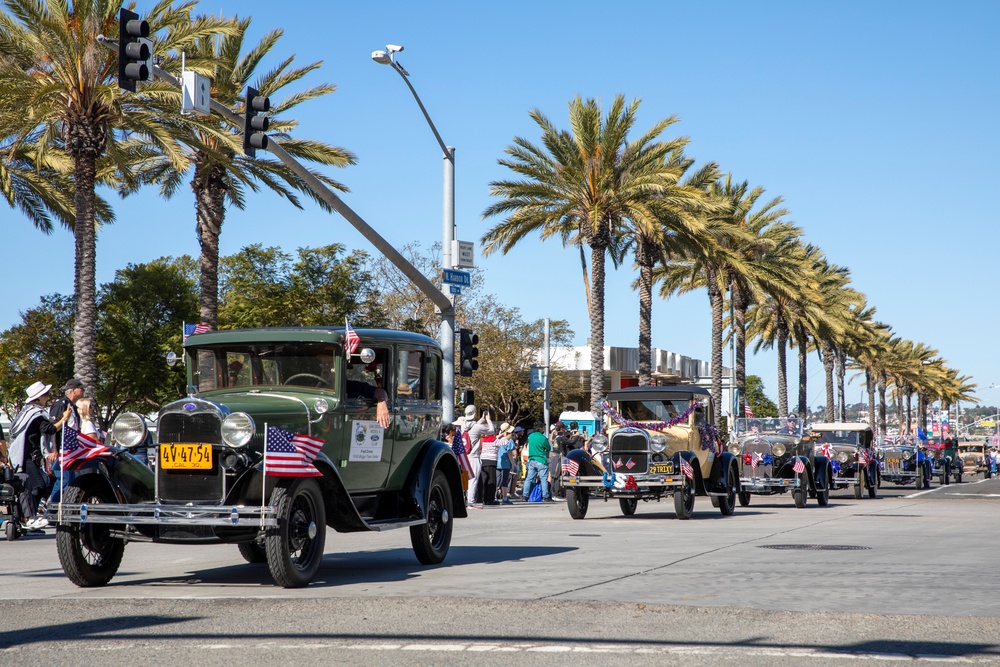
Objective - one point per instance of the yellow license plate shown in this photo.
(892, 460)
(661, 469)
(186, 456)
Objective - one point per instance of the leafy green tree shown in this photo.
(54, 66)
(39, 348)
(583, 186)
(758, 401)
(264, 287)
(141, 316)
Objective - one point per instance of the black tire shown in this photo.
(727, 503)
(920, 479)
(432, 539)
(684, 501)
(253, 552)
(858, 492)
(88, 554)
(799, 497)
(744, 497)
(823, 495)
(11, 530)
(295, 545)
(958, 476)
(628, 505)
(577, 501)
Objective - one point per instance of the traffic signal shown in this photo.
(255, 126)
(468, 351)
(135, 51)
(468, 397)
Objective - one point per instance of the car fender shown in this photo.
(587, 466)
(122, 476)
(435, 455)
(823, 470)
(721, 465)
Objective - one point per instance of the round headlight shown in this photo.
(735, 448)
(657, 442)
(129, 430)
(599, 443)
(907, 455)
(777, 449)
(320, 405)
(237, 429)
(842, 457)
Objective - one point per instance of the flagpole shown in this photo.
(263, 477)
(62, 471)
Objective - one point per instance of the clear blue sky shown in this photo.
(875, 121)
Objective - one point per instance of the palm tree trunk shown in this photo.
(210, 207)
(85, 287)
(782, 330)
(841, 364)
(803, 351)
(645, 324)
(870, 386)
(597, 326)
(828, 372)
(883, 426)
(716, 299)
(586, 279)
(740, 332)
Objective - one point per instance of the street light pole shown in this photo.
(447, 339)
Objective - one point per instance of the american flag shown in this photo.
(799, 467)
(351, 338)
(863, 457)
(747, 411)
(458, 446)
(288, 454)
(687, 469)
(630, 464)
(192, 329)
(570, 467)
(78, 447)
(755, 459)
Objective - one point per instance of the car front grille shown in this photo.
(630, 453)
(205, 486)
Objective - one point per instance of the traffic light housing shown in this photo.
(135, 51)
(468, 351)
(254, 125)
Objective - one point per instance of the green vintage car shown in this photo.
(206, 481)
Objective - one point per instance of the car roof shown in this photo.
(657, 393)
(840, 426)
(316, 334)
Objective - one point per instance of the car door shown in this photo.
(417, 408)
(366, 452)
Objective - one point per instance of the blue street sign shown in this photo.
(454, 289)
(450, 276)
(536, 379)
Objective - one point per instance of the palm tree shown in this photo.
(55, 66)
(221, 171)
(583, 185)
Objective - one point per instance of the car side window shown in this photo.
(409, 367)
(361, 380)
(433, 377)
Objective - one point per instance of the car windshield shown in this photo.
(977, 449)
(769, 426)
(651, 410)
(266, 365)
(836, 437)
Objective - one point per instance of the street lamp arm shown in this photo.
(402, 74)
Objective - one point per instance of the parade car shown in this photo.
(774, 460)
(849, 448)
(906, 461)
(659, 442)
(972, 457)
(278, 438)
(945, 462)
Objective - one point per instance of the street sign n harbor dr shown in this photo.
(452, 277)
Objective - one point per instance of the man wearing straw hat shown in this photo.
(30, 426)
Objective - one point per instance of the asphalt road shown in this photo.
(910, 576)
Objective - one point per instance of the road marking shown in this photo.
(976, 495)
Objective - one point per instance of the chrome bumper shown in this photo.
(643, 482)
(178, 515)
(751, 484)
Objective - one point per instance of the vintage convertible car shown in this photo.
(849, 447)
(774, 460)
(277, 440)
(660, 442)
(944, 458)
(906, 461)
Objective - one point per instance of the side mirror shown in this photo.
(367, 355)
(172, 359)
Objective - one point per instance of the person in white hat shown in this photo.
(476, 428)
(30, 426)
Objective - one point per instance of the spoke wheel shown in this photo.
(431, 540)
(295, 545)
(858, 492)
(823, 495)
(88, 554)
(684, 501)
(628, 505)
(727, 503)
(577, 501)
(799, 497)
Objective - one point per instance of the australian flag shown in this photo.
(288, 454)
